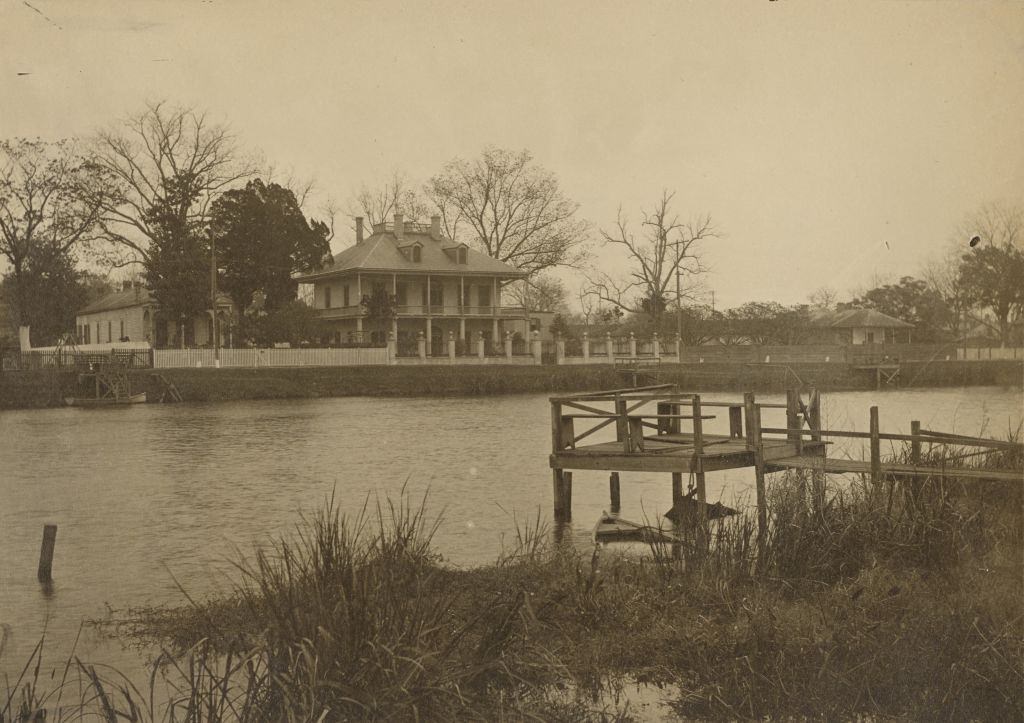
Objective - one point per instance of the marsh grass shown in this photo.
(886, 602)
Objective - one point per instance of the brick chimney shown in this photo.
(399, 227)
(359, 229)
(435, 227)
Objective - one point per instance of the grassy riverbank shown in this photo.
(44, 388)
(887, 603)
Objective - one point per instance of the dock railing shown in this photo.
(660, 428)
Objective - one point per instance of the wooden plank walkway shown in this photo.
(857, 466)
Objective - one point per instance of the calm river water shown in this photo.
(153, 496)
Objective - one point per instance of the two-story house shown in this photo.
(440, 286)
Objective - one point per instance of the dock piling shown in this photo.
(876, 448)
(613, 489)
(46, 553)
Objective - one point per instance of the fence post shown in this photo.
(876, 449)
(793, 425)
(586, 347)
(421, 346)
(915, 444)
(508, 345)
(679, 349)
(749, 407)
(451, 347)
(392, 348)
(736, 421)
(559, 349)
(754, 432)
(632, 344)
(480, 351)
(655, 346)
(613, 489)
(609, 350)
(536, 347)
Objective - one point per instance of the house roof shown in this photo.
(858, 318)
(138, 296)
(380, 252)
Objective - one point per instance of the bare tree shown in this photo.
(824, 297)
(157, 148)
(379, 204)
(539, 293)
(995, 224)
(511, 209)
(942, 275)
(665, 261)
(51, 202)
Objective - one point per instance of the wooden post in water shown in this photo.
(621, 428)
(677, 489)
(46, 553)
(754, 430)
(876, 449)
(736, 421)
(793, 424)
(567, 496)
(817, 475)
(698, 450)
(749, 407)
(915, 444)
(557, 475)
(613, 488)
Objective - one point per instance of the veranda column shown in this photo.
(495, 307)
(428, 335)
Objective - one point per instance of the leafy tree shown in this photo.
(910, 300)
(177, 261)
(992, 271)
(511, 209)
(993, 278)
(380, 308)
(50, 206)
(294, 323)
(263, 238)
(665, 261)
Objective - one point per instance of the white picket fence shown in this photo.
(989, 353)
(179, 358)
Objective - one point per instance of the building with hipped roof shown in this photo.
(441, 287)
(859, 326)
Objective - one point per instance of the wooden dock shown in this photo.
(661, 429)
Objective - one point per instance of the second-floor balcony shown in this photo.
(430, 310)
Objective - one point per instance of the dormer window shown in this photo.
(459, 253)
(412, 251)
(416, 254)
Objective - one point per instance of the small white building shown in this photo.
(132, 314)
(860, 326)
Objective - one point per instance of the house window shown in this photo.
(416, 254)
(122, 330)
(462, 254)
(485, 295)
(871, 337)
(344, 295)
(110, 328)
(437, 295)
(98, 340)
(327, 297)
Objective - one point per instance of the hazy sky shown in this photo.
(829, 141)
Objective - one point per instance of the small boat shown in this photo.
(610, 528)
(139, 398)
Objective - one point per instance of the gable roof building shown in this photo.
(440, 287)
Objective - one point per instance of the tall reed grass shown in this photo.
(884, 602)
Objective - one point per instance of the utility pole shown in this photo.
(213, 297)
(679, 298)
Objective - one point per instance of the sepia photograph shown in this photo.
(560, 361)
